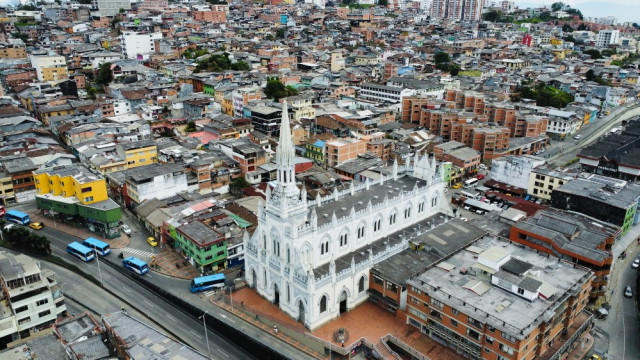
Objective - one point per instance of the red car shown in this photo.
(480, 176)
(2, 211)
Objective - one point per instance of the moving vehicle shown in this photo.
(595, 357)
(152, 241)
(480, 176)
(457, 186)
(2, 211)
(101, 247)
(125, 229)
(136, 265)
(483, 167)
(636, 263)
(615, 130)
(607, 112)
(464, 219)
(207, 282)
(36, 225)
(627, 292)
(578, 137)
(17, 217)
(80, 251)
(470, 183)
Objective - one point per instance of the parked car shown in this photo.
(578, 137)
(36, 225)
(457, 185)
(464, 219)
(636, 263)
(480, 212)
(2, 211)
(627, 292)
(480, 176)
(125, 229)
(483, 167)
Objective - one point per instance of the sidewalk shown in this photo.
(582, 349)
(81, 232)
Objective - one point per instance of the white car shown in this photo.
(464, 219)
(483, 167)
(636, 263)
(9, 226)
(125, 229)
(578, 137)
(627, 292)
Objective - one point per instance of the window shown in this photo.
(220, 253)
(453, 323)
(88, 199)
(23, 321)
(421, 207)
(416, 290)
(506, 349)
(474, 322)
(520, 291)
(508, 337)
(343, 239)
(323, 304)
(407, 213)
(378, 280)
(376, 225)
(87, 189)
(392, 219)
(44, 313)
(361, 232)
(489, 340)
(455, 312)
(473, 334)
(392, 287)
(324, 247)
(21, 309)
(42, 302)
(437, 303)
(491, 328)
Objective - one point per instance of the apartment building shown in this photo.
(139, 45)
(154, 181)
(153, 5)
(607, 37)
(574, 237)
(475, 301)
(111, 7)
(339, 151)
(31, 297)
(543, 180)
(384, 93)
(13, 51)
(20, 169)
(138, 153)
(7, 196)
(266, 119)
(217, 14)
(301, 107)
(461, 156)
(50, 68)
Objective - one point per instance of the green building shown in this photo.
(208, 87)
(101, 217)
(315, 151)
(205, 246)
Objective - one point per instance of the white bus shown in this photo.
(470, 183)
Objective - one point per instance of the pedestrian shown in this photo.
(242, 304)
(342, 343)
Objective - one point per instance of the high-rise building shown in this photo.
(457, 10)
(607, 37)
(139, 46)
(111, 7)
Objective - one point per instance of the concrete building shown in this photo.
(606, 199)
(31, 298)
(138, 153)
(20, 169)
(50, 68)
(138, 46)
(514, 170)
(341, 150)
(13, 51)
(312, 258)
(495, 301)
(543, 180)
(111, 7)
(154, 181)
(607, 37)
(572, 237)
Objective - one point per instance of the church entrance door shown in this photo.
(276, 295)
(343, 302)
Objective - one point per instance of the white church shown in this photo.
(312, 258)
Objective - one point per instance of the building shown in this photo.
(74, 191)
(543, 180)
(50, 68)
(20, 168)
(609, 200)
(111, 7)
(216, 15)
(607, 37)
(153, 5)
(514, 170)
(457, 10)
(266, 119)
(465, 159)
(572, 237)
(138, 45)
(154, 181)
(138, 153)
(31, 297)
(341, 150)
(13, 51)
(495, 300)
(384, 93)
(7, 195)
(131, 338)
(312, 258)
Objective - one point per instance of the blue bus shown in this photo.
(101, 247)
(17, 217)
(80, 251)
(136, 265)
(207, 282)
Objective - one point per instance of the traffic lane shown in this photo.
(629, 311)
(190, 330)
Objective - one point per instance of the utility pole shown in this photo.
(98, 261)
(206, 334)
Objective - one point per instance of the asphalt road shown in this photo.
(155, 309)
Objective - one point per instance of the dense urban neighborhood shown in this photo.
(318, 179)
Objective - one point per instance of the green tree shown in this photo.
(237, 184)
(280, 34)
(583, 27)
(567, 28)
(492, 16)
(91, 93)
(240, 66)
(122, 11)
(557, 6)
(384, 3)
(544, 95)
(28, 7)
(442, 57)
(609, 52)
(191, 127)
(595, 54)
(20, 35)
(454, 69)
(590, 75)
(104, 76)
(569, 38)
(276, 90)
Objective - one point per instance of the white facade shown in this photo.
(111, 7)
(99, 59)
(514, 170)
(42, 62)
(160, 187)
(312, 258)
(21, 275)
(139, 46)
(607, 37)
(121, 107)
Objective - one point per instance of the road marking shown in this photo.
(148, 275)
(126, 288)
(171, 318)
(209, 293)
(138, 252)
(107, 276)
(148, 303)
(226, 318)
(196, 335)
(222, 352)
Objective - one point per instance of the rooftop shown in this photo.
(594, 189)
(80, 173)
(142, 173)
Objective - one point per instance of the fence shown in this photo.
(405, 347)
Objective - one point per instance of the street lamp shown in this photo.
(98, 261)
(206, 335)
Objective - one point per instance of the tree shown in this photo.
(570, 38)
(28, 8)
(91, 93)
(544, 95)
(280, 34)
(240, 66)
(583, 27)
(567, 28)
(492, 16)
(590, 75)
(20, 35)
(237, 184)
(383, 3)
(595, 54)
(454, 69)
(104, 76)
(122, 11)
(442, 57)
(557, 6)
(277, 90)
(191, 127)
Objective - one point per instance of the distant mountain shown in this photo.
(623, 10)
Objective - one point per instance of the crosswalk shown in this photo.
(209, 293)
(137, 252)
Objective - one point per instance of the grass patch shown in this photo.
(472, 73)
(571, 162)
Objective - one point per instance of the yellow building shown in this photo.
(71, 181)
(13, 52)
(542, 181)
(138, 153)
(6, 189)
(50, 68)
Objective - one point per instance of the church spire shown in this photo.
(285, 157)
